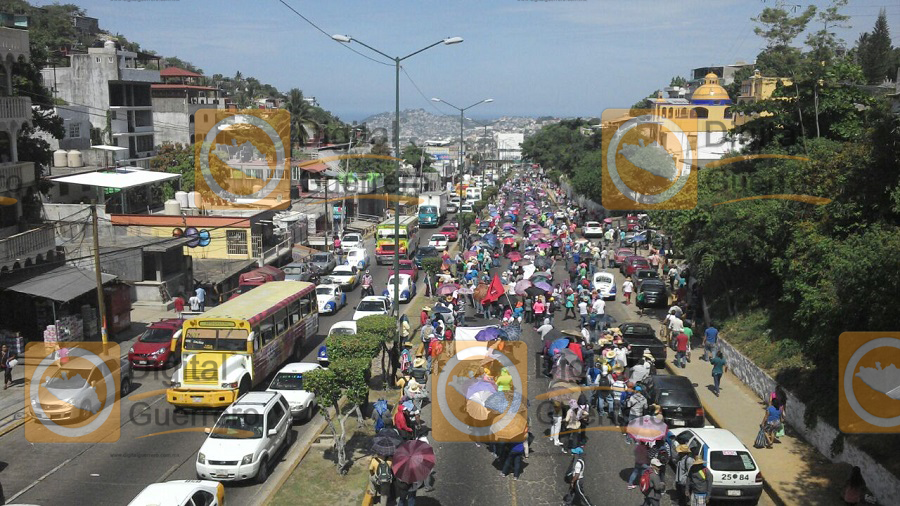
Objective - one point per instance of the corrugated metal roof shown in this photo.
(61, 284)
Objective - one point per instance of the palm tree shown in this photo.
(301, 117)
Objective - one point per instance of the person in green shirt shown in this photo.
(690, 333)
(718, 370)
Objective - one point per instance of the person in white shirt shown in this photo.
(194, 302)
(627, 288)
(545, 328)
(676, 310)
(622, 356)
(583, 312)
(604, 256)
(599, 306)
(640, 371)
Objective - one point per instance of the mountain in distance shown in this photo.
(422, 125)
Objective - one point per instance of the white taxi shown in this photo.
(357, 257)
(735, 474)
(592, 229)
(439, 242)
(330, 298)
(407, 288)
(289, 383)
(605, 284)
(181, 493)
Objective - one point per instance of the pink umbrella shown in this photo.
(647, 429)
(543, 245)
(521, 286)
(514, 256)
(469, 254)
(413, 461)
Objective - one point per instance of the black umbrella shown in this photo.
(386, 442)
(533, 291)
(542, 262)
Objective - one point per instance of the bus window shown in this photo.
(215, 340)
(281, 322)
(305, 305)
(313, 306)
(256, 339)
(267, 331)
(295, 312)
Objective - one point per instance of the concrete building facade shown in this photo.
(115, 88)
(175, 101)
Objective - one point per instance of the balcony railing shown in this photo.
(15, 108)
(14, 176)
(27, 244)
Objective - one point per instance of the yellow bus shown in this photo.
(233, 347)
(385, 242)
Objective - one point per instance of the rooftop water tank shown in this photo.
(60, 158)
(109, 44)
(75, 160)
(193, 199)
(172, 208)
(182, 198)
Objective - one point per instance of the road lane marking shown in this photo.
(42, 478)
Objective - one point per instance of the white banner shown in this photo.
(468, 333)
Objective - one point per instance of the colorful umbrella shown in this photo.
(521, 286)
(567, 367)
(647, 429)
(509, 240)
(563, 391)
(543, 285)
(469, 254)
(540, 278)
(514, 256)
(386, 442)
(490, 334)
(447, 289)
(560, 344)
(543, 262)
(543, 245)
(523, 263)
(413, 461)
(476, 395)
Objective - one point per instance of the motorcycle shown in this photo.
(367, 290)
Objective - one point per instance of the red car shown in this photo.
(407, 267)
(153, 348)
(633, 264)
(621, 255)
(450, 231)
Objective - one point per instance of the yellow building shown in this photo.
(758, 87)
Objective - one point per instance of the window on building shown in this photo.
(63, 190)
(74, 130)
(109, 59)
(236, 242)
(144, 143)
(97, 59)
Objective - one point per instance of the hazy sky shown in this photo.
(558, 58)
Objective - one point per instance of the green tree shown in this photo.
(385, 329)
(417, 157)
(301, 118)
(874, 52)
(779, 27)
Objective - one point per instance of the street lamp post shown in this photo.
(462, 118)
(448, 41)
(484, 135)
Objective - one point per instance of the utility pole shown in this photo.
(101, 307)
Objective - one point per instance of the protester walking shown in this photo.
(719, 365)
(627, 288)
(7, 362)
(700, 482)
(655, 486)
(641, 462)
(513, 462)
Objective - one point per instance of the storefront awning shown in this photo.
(61, 284)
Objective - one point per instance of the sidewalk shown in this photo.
(794, 471)
(12, 400)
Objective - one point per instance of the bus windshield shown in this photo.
(215, 340)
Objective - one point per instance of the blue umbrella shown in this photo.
(442, 309)
(490, 237)
(408, 405)
(501, 402)
(490, 334)
(559, 344)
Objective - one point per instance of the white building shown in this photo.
(115, 87)
(509, 145)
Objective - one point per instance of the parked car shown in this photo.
(592, 229)
(425, 252)
(357, 257)
(678, 399)
(344, 328)
(452, 207)
(153, 349)
(289, 382)
(655, 293)
(635, 237)
(632, 264)
(71, 396)
(324, 262)
(735, 474)
(621, 254)
(300, 271)
(466, 208)
(451, 232)
(641, 336)
(407, 267)
(247, 439)
(372, 305)
(330, 298)
(439, 241)
(352, 240)
(407, 288)
(182, 493)
(345, 275)
(605, 284)
(642, 274)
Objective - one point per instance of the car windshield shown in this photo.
(342, 331)
(287, 381)
(343, 270)
(68, 379)
(324, 290)
(153, 335)
(592, 224)
(731, 461)
(426, 251)
(678, 397)
(239, 426)
(351, 238)
(428, 209)
(293, 270)
(215, 340)
(603, 279)
(370, 305)
(438, 238)
(321, 257)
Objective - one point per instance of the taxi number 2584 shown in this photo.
(735, 476)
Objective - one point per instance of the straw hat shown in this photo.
(698, 460)
(618, 369)
(419, 362)
(414, 386)
(610, 354)
(426, 308)
(682, 448)
(648, 354)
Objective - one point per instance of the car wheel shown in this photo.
(263, 472)
(125, 387)
(244, 387)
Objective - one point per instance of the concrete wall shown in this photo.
(171, 123)
(880, 481)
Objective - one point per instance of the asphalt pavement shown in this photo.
(114, 472)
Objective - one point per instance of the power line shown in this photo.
(416, 86)
(304, 18)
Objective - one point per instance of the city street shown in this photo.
(42, 473)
